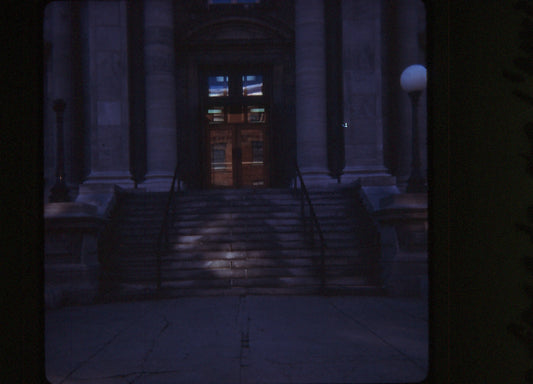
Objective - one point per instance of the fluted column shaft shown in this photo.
(311, 119)
(106, 79)
(363, 91)
(161, 143)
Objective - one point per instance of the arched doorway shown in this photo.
(235, 81)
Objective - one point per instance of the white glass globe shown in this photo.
(414, 78)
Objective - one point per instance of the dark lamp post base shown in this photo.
(416, 184)
(59, 193)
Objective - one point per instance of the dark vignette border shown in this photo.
(22, 300)
(517, 75)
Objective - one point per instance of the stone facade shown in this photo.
(136, 80)
(131, 76)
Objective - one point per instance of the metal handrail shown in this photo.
(163, 232)
(314, 220)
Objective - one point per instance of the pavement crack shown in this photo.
(156, 340)
(100, 349)
(137, 375)
(405, 312)
(91, 357)
(409, 358)
(243, 322)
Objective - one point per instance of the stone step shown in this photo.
(244, 216)
(246, 277)
(236, 246)
(149, 291)
(359, 276)
(238, 273)
(254, 237)
(271, 223)
(171, 291)
(344, 254)
(249, 254)
(278, 282)
(239, 263)
(341, 256)
(285, 200)
(335, 266)
(264, 253)
(240, 241)
(217, 228)
(254, 234)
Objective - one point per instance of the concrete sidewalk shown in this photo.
(252, 339)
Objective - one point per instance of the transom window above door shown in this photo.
(245, 85)
(218, 86)
(252, 85)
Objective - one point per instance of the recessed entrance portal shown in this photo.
(237, 156)
(236, 132)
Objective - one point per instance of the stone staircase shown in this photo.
(234, 242)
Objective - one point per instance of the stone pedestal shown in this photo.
(102, 196)
(71, 253)
(403, 227)
(310, 56)
(402, 221)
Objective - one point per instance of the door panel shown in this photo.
(237, 155)
(252, 144)
(221, 156)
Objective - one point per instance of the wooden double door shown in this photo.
(238, 155)
(237, 129)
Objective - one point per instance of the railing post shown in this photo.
(163, 233)
(314, 223)
(59, 192)
(322, 268)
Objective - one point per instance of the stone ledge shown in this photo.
(372, 195)
(71, 252)
(100, 195)
(53, 210)
(404, 200)
(401, 218)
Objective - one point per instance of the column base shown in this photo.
(373, 175)
(122, 179)
(157, 182)
(101, 195)
(317, 176)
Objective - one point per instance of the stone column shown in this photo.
(363, 92)
(311, 121)
(161, 142)
(107, 92)
(58, 83)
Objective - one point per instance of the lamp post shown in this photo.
(59, 192)
(413, 81)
